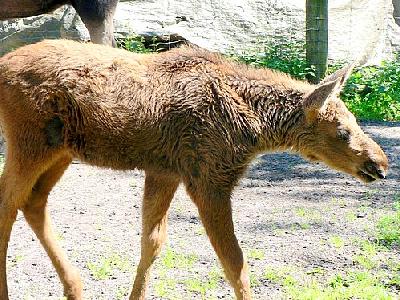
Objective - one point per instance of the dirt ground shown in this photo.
(288, 215)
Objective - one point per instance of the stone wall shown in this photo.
(356, 26)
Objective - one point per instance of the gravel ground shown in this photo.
(286, 211)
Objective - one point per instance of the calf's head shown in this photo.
(333, 135)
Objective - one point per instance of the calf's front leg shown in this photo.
(158, 193)
(216, 214)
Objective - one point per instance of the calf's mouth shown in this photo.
(371, 171)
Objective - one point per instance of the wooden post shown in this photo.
(317, 37)
(396, 11)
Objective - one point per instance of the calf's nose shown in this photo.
(374, 169)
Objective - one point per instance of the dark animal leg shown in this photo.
(158, 193)
(37, 215)
(216, 214)
(98, 19)
(101, 32)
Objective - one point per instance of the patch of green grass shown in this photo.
(254, 281)
(315, 271)
(351, 216)
(105, 267)
(309, 216)
(366, 284)
(336, 241)
(339, 202)
(122, 292)
(172, 259)
(388, 228)
(165, 288)
(280, 276)
(256, 254)
(16, 260)
(300, 211)
(305, 225)
(204, 286)
(367, 261)
(353, 285)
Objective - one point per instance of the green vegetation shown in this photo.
(194, 286)
(106, 266)
(371, 93)
(171, 259)
(354, 285)
(202, 286)
(289, 58)
(17, 259)
(134, 44)
(256, 254)
(337, 242)
(388, 227)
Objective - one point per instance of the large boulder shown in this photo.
(63, 23)
(355, 26)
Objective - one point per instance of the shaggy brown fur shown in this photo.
(185, 116)
(97, 15)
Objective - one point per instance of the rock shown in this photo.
(357, 27)
(63, 23)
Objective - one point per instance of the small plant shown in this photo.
(203, 286)
(388, 229)
(18, 258)
(366, 261)
(254, 281)
(337, 242)
(305, 225)
(165, 288)
(105, 268)
(280, 276)
(171, 259)
(122, 292)
(134, 44)
(256, 254)
(301, 212)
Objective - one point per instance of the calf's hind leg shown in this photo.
(8, 214)
(37, 215)
(158, 193)
(216, 214)
(16, 185)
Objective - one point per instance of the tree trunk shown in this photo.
(317, 37)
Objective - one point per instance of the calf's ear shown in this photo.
(342, 75)
(333, 84)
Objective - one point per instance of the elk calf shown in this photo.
(184, 116)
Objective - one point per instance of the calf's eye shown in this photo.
(343, 135)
